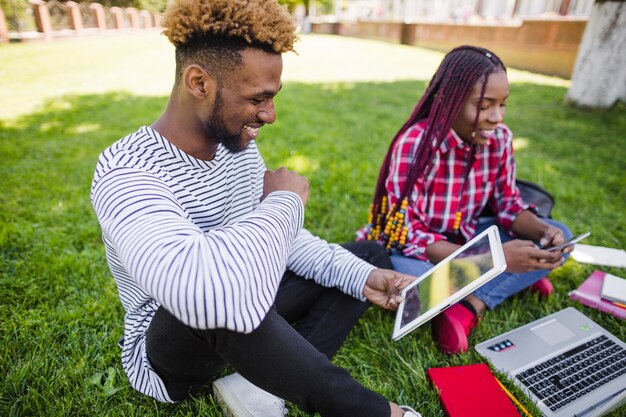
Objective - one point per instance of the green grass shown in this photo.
(59, 312)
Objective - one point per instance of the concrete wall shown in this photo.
(543, 46)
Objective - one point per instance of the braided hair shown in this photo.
(441, 103)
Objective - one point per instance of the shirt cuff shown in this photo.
(361, 273)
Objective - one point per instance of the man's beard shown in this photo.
(215, 128)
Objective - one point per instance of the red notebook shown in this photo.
(471, 391)
(589, 294)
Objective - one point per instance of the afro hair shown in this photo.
(258, 23)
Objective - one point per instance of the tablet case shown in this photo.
(589, 294)
(471, 391)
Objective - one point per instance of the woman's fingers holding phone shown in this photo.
(552, 236)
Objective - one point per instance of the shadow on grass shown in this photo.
(59, 312)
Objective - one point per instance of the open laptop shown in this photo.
(565, 362)
(466, 269)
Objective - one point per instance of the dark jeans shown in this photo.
(287, 355)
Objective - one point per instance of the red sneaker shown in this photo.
(542, 287)
(451, 328)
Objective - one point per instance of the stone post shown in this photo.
(4, 29)
(118, 17)
(133, 15)
(97, 11)
(42, 17)
(146, 19)
(564, 9)
(157, 19)
(73, 12)
(408, 34)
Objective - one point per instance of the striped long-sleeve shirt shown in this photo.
(191, 235)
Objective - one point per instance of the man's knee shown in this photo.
(371, 252)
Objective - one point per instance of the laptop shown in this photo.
(466, 269)
(565, 362)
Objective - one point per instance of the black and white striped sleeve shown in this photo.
(328, 264)
(224, 278)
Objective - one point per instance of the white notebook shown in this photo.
(614, 289)
(598, 255)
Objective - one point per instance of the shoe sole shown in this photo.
(220, 393)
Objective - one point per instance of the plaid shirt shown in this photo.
(437, 197)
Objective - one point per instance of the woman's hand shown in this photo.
(524, 256)
(553, 236)
(529, 226)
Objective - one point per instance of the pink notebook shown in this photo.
(589, 294)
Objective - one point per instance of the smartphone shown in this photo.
(570, 242)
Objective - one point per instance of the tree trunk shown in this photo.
(599, 78)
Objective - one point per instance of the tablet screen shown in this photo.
(447, 278)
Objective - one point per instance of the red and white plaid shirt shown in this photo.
(434, 200)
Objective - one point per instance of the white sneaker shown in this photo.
(409, 412)
(240, 398)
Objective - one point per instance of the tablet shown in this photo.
(455, 277)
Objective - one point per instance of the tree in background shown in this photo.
(599, 78)
(308, 4)
(153, 5)
(292, 4)
(17, 15)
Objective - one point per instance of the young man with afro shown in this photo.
(211, 261)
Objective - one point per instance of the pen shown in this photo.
(512, 397)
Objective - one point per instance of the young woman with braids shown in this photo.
(450, 160)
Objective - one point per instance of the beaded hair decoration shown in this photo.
(441, 102)
(395, 231)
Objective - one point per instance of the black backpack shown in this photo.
(530, 193)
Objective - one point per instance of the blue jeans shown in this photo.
(498, 289)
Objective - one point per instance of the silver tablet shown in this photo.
(455, 277)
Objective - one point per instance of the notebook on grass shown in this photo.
(461, 273)
(614, 289)
(568, 364)
(471, 391)
(589, 293)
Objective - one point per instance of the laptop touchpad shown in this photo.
(553, 332)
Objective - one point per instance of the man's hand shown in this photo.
(524, 256)
(284, 180)
(383, 287)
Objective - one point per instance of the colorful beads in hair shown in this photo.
(395, 231)
(440, 104)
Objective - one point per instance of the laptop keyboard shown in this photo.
(567, 377)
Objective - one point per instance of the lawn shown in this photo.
(60, 316)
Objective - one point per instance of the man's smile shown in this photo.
(252, 131)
